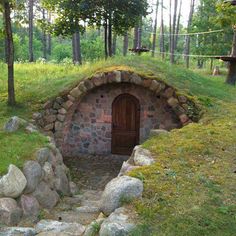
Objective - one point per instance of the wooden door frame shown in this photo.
(137, 116)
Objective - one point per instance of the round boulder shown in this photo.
(118, 223)
(126, 167)
(61, 182)
(55, 158)
(43, 155)
(10, 213)
(30, 206)
(33, 173)
(46, 197)
(13, 183)
(48, 175)
(123, 187)
(14, 124)
(141, 157)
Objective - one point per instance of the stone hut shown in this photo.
(112, 112)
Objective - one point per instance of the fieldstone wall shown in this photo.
(91, 124)
(38, 185)
(61, 116)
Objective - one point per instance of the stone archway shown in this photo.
(68, 117)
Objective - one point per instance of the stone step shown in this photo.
(59, 228)
(74, 216)
(17, 231)
(91, 195)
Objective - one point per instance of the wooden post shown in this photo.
(216, 71)
(231, 77)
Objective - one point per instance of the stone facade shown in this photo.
(91, 125)
(60, 117)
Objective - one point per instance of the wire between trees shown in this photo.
(189, 34)
(190, 55)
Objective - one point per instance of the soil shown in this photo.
(91, 174)
(94, 172)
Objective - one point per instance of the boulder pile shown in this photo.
(39, 185)
(45, 178)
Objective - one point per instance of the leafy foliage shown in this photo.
(121, 14)
(226, 13)
(206, 19)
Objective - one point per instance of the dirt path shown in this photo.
(94, 172)
(91, 174)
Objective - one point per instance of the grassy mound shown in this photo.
(191, 189)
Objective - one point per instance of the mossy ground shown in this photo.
(191, 189)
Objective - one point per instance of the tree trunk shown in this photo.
(6, 51)
(114, 44)
(10, 54)
(172, 56)
(85, 30)
(136, 36)
(211, 64)
(178, 25)
(49, 49)
(31, 30)
(125, 44)
(162, 37)
(187, 40)
(105, 39)
(140, 35)
(77, 58)
(109, 37)
(73, 49)
(200, 63)
(170, 28)
(99, 31)
(44, 38)
(233, 52)
(231, 77)
(155, 31)
(77, 48)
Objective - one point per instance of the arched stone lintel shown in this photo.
(57, 114)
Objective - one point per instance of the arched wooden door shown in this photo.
(125, 124)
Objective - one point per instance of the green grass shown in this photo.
(191, 189)
(18, 147)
